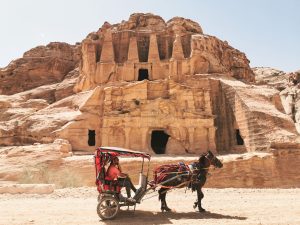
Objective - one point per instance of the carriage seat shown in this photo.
(111, 185)
(106, 183)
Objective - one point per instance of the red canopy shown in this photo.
(115, 151)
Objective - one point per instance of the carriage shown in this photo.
(166, 177)
(110, 198)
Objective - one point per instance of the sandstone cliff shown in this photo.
(148, 85)
(288, 84)
(39, 66)
(174, 49)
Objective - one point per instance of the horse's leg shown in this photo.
(200, 195)
(162, 197)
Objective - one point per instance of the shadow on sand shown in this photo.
(145, 217)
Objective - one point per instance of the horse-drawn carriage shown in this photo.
(166, 177)
(110, 198)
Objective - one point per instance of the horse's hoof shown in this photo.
(201, 210)
(167, 209)
(195, 205)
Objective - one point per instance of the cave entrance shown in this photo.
(92, 138)
(239, 139)
(143, 74)
(159, 140)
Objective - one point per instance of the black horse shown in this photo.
(181, 175)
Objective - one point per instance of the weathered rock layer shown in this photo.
(39, 66)
(153, 86)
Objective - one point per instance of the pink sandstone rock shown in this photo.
(148, 85)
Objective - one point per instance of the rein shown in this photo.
(170, 188)
(205, 168)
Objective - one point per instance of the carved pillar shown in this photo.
(177, 49)
(107, 54)
(207, 102)
(145, 139)
(176, 59)
(104, 136)
(191, 138)
(133, 54)
(128, 72)
(153, 55)
(127, 136)
(106, 69)
(153, 58)
(200, 139)
(212, 139)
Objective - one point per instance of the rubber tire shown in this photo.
(106, 203)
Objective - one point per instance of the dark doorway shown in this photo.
(92, 139)
(143, 74)
(239, 139)
(159, 140)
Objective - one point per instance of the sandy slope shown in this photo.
(225, 206)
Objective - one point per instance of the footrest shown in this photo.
(139, 194)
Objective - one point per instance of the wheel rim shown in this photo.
(108, 208)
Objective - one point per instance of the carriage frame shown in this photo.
(110, 198)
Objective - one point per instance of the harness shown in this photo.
(180, 170)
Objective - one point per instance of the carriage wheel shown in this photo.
(108, 207)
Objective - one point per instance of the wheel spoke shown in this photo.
(108, 208)
(110, 212)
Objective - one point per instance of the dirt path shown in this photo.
(225, 206)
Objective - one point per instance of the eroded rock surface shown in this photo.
(289, 86)
(148, 85)
(32, 163)
(166, 50)
(39, 66)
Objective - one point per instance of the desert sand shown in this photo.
(224, 206)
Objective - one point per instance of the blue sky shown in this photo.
(268, 31)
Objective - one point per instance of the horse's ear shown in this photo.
(209, 152)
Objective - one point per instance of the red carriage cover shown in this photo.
(103, 156)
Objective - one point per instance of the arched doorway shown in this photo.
(143, 74)
(159, 140)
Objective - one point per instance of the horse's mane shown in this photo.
(202, 160)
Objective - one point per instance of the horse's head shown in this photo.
(208, 159)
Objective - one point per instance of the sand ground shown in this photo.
(224, 206)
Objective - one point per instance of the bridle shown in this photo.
(211, 161)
